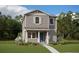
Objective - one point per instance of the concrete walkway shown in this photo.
(51, 49)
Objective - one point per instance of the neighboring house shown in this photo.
(38, 26)
(75, 16)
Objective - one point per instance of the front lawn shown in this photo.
(67, 46)
(11, 47)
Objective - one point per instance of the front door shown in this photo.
(42, 36)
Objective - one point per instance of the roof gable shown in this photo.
(38, 11)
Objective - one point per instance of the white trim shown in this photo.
(39, 14)
(25, 21)
(38, 40)
(53, 21)
(55, 25)
(35, 21)
(40, 29)
(26, 39)
(32, 35)
(47, 38)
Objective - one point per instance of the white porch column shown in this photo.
(47, 38)
(26, 39)
(38, 37)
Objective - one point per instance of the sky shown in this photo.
(54, 9)
(14, 10)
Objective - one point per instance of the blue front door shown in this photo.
(42, 36)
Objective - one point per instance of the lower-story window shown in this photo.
(29, 34)
(32, 34)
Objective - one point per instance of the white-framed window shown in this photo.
(37, 20)
(51, 21)
(29, 34)
(32, 34)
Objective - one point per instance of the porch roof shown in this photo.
(38, 29)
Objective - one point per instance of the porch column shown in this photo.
(47, 38)
(26, 39)
(38, 37)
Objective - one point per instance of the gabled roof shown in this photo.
(41, 12)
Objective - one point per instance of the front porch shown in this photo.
(37, 36)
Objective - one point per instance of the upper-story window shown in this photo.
(51, 21)
(37, 20)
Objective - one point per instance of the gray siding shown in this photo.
(51, 26)
(44, 22)
(51, 34)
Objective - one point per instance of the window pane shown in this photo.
(51, 21)
(29, 34)
(33, 35)
(37, 19)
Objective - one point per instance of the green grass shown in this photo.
(11, 47)
(71, 46)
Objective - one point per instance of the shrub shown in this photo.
(76, 35)
(19, 40)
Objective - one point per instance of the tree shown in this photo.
(18, 18)
(9, 28)
(60, 24)
(68, 28)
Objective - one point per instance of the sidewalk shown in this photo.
(51, 49)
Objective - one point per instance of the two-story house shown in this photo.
(38, 26)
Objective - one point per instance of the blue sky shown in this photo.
(54, 9)
(14, 10)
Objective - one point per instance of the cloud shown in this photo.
(13, 10)
(57, 14)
